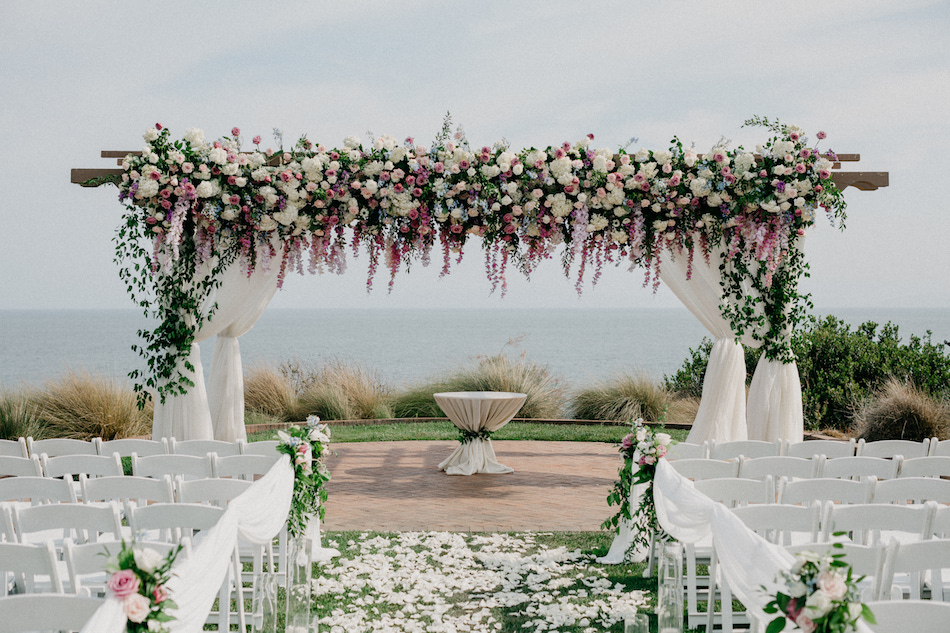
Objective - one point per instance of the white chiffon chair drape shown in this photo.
(217, 412)
(774, 408)
(750, 564)
(255, 517)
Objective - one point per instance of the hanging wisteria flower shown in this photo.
(819, 596)
(641, 449)
(138, 577)
(306, 447)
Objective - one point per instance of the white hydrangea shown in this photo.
(147, 188)
(206, 189)
(195, 136)
(218, 155)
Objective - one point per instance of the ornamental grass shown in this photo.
(901, 411)
(624, 397)
(545, 393)
(269, 392)
(83, 405)
(18, 417)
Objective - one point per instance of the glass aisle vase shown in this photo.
(299, 573)
(669, 602)
(265, 605)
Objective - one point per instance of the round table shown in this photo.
(475, 411)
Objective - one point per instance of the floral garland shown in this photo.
(139, 576)
(643, 446)
(193, 208)
(306, 448)
(820, 596)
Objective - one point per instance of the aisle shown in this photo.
(397, 486)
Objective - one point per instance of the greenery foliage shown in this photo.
(840, 366)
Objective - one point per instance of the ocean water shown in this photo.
(403, 345)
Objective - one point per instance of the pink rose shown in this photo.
(256, 140)
(136, 607)
(832, 584)
(793, 609)
(821, 135)
(649, 459)
(160, 594)
(124, 582)
(805, 624)
(235, 131)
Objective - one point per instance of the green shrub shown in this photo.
(19, 418)
(839, 366)
(901, 411)
(625, 398)
(490, 373)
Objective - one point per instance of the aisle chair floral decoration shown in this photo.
(139, 576)
(306, 447)
(643, 446)
(819, 596)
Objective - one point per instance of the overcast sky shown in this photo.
(80, 77)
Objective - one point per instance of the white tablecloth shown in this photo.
(476, 411)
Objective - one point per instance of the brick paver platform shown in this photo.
(397, 486)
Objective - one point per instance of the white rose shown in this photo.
(817, 604)
(150, 135)
(230, 169)
(642, 155)
(351, 142)
(663, 439)
(147, 559)
(268, 223)
(240, 181)
(229, 214)
(690, 157)
(663, 156)
(205, 189)
(195, 136)
(518, 169)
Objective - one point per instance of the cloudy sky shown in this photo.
(80, 77)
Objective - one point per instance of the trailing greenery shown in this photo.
(840, 366)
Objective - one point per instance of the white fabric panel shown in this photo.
(774, 409)
(748, 562)
(617, 555)
(218, 412)
(475, 411)
(722, 410)
(256, 516)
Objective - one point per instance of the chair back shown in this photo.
(46, 612)
(267, 447)
(126, 446)
(829, 448)
(918, 616)
(912, 490)
(54, 447)
(682, 450)
(734, 492)
(782, 524)
(748, 448)
(867, 522)
(83, 523)
(779, 466)
(33, 568)
(158, 466)
(14, 448)
(11, 466)
(697, 469)
(36, 490)
(861, 466)
(865, 560)
(178, 519)
(202, 447)
(810, 491)
(890, 448)
(931, 466)
(218, 492)
(908, 565)
(247, 467)
(89, 465)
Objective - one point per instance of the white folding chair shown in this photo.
(55, 521)
(912, 490)
(779, 466)
(913, 568)
(734, 492)
(861, 466)
(748, 448)
(811, 491)
(14, 448)
(127, 489)
(873, 523)
(932, 466)
(158, 466)
(217, 491)
(913, 616)
(891, 448)
(697, 469)
(11, 466)
(865, 560)
(183, 520)
(268, 447)
(126, 446)
(54, 447)
(782, 524)
(46, 612)
(831, 449)
(26, 491)
(28, 569)
(86, 563)
(73, 465)
(939, 448)
(201, 448)
(249, 467)
(680, 450)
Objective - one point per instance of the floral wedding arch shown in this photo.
(211, 230)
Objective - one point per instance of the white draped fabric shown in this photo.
(619, 552)
(774, 408)
(255, 517)
(722, 409)
(750, 564)
(218, 411)
(477, 411)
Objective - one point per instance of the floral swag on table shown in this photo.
(819, 596)
(193, 208)
(644, 447)
(138, 578)
(306, 448)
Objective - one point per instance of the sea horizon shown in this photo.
(405, 345)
